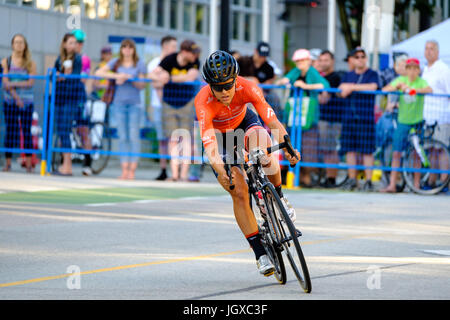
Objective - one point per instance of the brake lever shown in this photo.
(289, 148)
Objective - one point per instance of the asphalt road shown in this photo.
(147, 240)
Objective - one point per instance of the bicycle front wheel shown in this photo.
(436, 156)
(101, 145)
(269, 242)
(288, 238)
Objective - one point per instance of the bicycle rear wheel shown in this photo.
(288, 237)
(427, 183)
(101, 144)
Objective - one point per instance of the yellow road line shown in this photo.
(131, 266)
(146, 264)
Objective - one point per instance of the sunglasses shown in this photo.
(221, 87)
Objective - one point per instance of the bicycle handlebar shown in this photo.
(284, 145)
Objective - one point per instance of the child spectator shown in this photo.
(410, 114)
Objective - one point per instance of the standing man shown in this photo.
(437, 109)
(80, 115)
(263, 71)
(178, 100)
(358, 128)
(330, 120)
(168, 47)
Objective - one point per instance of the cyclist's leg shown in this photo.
(257, 136)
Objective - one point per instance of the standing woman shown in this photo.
(70, 94)
(126, 105)
(18, 98)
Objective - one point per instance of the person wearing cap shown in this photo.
(83, 129)
(305, 77)
(410, 114)
(80, 36)
(178, 99)
(350, 61)
(358, 127)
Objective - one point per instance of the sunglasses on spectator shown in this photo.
(221, 87)
(359, 57)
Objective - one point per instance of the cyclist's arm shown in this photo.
(207, 133)
(270, 119)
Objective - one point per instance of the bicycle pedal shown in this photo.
(268, 274)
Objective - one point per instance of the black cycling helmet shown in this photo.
(219, 67)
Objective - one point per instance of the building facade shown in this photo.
(44, 22)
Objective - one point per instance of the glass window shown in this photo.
(187, 11)
(27, 3)
(147, 12)
(248, 3)
(235, 30)
(11, 1)
(43, 4)
(74, 7)
(259, 27)
(103, 9)
(199, 20)
(59, 6)
(173, 14)
(160, 13)
(118, 9)
(247, 27)
(89, 8)
(132, 11)
(236, 2)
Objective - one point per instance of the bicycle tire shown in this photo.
(273, 251)
(426, 184)
(101, 141)
(57, 158)
(290, 238)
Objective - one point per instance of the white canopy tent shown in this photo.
(415, 46)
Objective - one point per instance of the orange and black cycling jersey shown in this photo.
(214, 115)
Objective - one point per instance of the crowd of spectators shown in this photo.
(333, 123)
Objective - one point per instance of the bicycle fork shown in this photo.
(420, 151)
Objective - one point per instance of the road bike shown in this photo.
(424, 152)
(278, 233)
(98, 134)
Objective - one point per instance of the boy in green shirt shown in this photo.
(410, 114)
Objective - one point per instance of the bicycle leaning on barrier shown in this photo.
(98, 134)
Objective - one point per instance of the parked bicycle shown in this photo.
(98, 133)
(424, 152)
